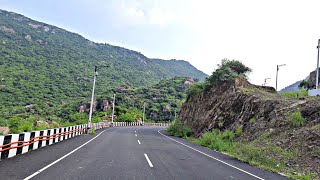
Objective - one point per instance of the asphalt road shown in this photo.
(128, 153)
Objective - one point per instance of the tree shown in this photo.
(227, 71)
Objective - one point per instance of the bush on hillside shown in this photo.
(296, 119)
(179, 130)
(227, 71)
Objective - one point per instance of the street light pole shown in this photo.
(92, 97)
(114, 99)
(277, 75)
(317, 70)
(265, 81)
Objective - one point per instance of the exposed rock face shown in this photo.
(122, 88)
(233, 104)
(28, 37)
(103, 105)
(106, 105)
(85, 107)
(7, 29)
(188, 83)
(46, 29)
(4, 130)
(35, 26)
(42, 123)
(92, 44)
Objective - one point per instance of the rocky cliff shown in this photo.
(258, 110)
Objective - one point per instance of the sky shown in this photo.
(261, 34)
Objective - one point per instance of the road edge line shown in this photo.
(56, 161)
(211, 157)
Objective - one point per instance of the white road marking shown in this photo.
(56, 161)
(138, 142)
(211, 157)
(149, 162)
(135, 131)
(135, 134)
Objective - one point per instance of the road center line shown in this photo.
(149, 162)
(211, 156)
(135, 134)
(138, 142)
(56, 161)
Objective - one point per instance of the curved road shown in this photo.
(128, 153)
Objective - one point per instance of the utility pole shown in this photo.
(277, 75)
(112, 117)
(265, 81)
(92, 97)
(144, 111)
(175, 114)
(317, 70)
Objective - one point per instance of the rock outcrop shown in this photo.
(234, 104)
(103, 105)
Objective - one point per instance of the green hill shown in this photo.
(162, 99)
(44, 66)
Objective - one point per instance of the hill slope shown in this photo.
(162, 99)
(46, 65)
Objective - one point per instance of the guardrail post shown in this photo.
(35, 145)
(14, 138)
(44, 139)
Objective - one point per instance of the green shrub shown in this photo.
(40, 127)
(239, 130)
(67, 123)
(227, 71)
(252, 120)
(93, 131)
(195, 89)
(14, 124)
(228, 135)
(217, 140)
(26, 127)
(296, 119)
(178, 129)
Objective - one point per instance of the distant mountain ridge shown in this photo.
(294, 86)
(46, 65)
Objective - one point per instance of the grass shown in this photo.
(295, 94)
(269, 157)
(252, 120)
(239, 130)
(93, 131)
(257, 153)
(296, 119)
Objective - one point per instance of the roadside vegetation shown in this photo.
(227, 71)
(263, 155)
(176, 128)
(296, 119)
(295, 94)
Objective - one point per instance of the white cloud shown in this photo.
(158, 16)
